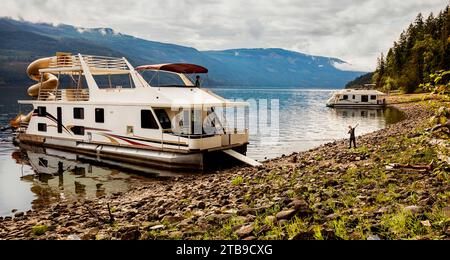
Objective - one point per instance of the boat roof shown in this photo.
(360, 92)
(184, 68)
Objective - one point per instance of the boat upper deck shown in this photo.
(360, 92)
(89, 79)
(98, 65)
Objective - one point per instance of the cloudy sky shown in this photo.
(353, 30)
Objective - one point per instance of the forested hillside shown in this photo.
(420, 52)
(360, 81)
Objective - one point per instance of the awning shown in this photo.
(184, 68)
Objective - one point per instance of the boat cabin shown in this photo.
(357, 98)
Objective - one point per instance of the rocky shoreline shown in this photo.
(329, 192)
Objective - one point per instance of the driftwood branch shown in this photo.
(438, 127)
(421, 167)
(99, 218)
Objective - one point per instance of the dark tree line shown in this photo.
(422, 50)
(360, 81)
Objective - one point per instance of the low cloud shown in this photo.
(355, 31)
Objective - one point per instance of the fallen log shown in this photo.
(421, 167)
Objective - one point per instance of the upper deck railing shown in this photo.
(69, 95)
(93, 62)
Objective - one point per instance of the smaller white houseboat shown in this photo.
(357, 98)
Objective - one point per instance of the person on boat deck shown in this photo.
(352, 134)
(197, 82)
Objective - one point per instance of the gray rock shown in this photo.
(245, 231)
(299, 204)
(413, 209)
(373, 237)
(19, 214)
(332, 216)
(201, 205)
(176, 235)
(282, 222)
(218, 218)
(230, 211)
(103, 236)
(158, 227)
(131, 235)
(304, 236)
(73, 237)
(286, 215)
(252, 211)
(70, 224)
(91, 234)
(250, 218)
(382, 210)
(172, 219)
(271, 219)
(446, 211)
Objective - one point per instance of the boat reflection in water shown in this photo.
(62, 175)
(358, 112)
(388, 115)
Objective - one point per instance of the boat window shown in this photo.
(354, 97)
(78, 113)
(43, 162)
(196, 122)
(373, 97)
(59, 119)
(78, 130)
(148, 120)
(42, 111)
(183, 121)
(42, 127)
(345, 97)
(212, 125)
(163, 79)
(118, 81)
(100, 115)
(364, 98)
(163, 118)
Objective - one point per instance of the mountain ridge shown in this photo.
(269, 67)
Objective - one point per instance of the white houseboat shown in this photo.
(357, 98)
(104, 107)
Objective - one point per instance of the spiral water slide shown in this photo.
(46, 81)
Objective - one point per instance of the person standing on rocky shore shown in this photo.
(352, 134)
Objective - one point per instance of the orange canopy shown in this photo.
(184, 68)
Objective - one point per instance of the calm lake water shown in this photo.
(31, 178)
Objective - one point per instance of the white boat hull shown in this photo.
(192, 161)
